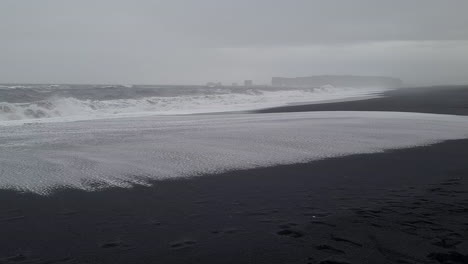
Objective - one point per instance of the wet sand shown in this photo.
(400, 206)
(438, 100)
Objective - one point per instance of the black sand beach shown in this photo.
(400, 206)
(437, 99)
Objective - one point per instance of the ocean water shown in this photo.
(121, 152)
(57, 103)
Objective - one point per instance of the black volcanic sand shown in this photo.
(439, 100)
(400, 206)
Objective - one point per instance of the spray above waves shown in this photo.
(45, 103)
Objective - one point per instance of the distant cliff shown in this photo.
(339, 81)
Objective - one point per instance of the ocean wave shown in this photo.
(61, 108)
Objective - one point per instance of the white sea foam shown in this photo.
(126, 151)
(60, 109)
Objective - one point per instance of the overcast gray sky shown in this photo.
(195, 41)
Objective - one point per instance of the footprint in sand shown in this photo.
(329, 249)
(340, 239)
(288, 230)
(450, 257)
(118, 244)
(183, 244)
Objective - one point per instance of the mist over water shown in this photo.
(82, 102)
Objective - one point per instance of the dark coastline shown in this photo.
(400, 206)
(451, 100)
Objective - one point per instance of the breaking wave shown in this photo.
(42, 103)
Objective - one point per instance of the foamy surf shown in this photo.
(122, 152)
(60, 104)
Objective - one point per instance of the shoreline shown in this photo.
(435, 100)
(398, 206)
(349, 198)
